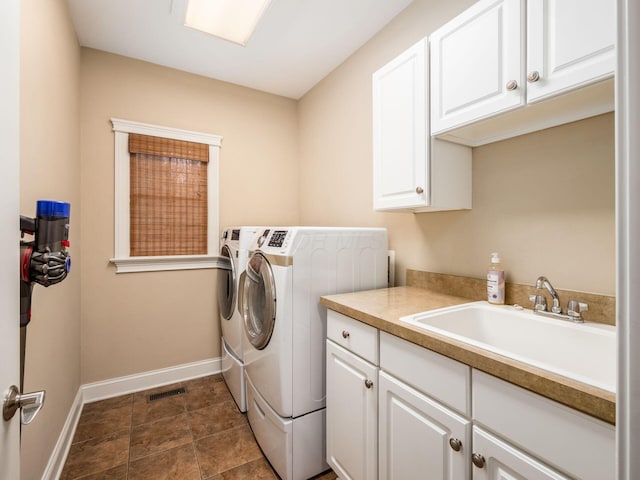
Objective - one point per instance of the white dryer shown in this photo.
(285, 328)
(234, 253)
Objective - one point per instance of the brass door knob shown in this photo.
(478, 460)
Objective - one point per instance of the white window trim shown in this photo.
(122, 259)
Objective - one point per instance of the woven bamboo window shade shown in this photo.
(168, 196)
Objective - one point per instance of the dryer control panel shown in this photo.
(277, 238)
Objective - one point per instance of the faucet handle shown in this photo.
(575, 309)
(539, 302)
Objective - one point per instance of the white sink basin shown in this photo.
(582, 351)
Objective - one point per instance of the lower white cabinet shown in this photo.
(352, 415)
(499, 460)
(396, 411)
(418, 437)
(570, 441)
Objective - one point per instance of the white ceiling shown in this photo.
(296, 44)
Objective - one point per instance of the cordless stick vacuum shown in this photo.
(44, 261)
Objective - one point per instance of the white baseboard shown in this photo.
(114, 387)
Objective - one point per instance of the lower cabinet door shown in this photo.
(495, 459)
(352, 415)
(418, 437)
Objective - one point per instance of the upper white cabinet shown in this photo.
(477, 64)
(569, 43)
(410, 172)
(400, 130)
(492, 66)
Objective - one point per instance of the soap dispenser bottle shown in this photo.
(495, 281)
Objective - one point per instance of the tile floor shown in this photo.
(195, 436)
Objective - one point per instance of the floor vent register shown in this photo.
(167, 394)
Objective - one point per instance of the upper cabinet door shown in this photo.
(478, 64)
(570, 43)
(400, 131)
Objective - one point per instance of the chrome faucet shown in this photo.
(543, 282)
(574, 308)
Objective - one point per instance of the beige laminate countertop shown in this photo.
(383, 308)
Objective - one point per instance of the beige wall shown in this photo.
(137, 322)
(50, 168)
(545, 201)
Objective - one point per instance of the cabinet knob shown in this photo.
(419, 190)
(533, 76)
(478, 460)
(368, 383)
(455, 444)
(512, 85)
(345, 334)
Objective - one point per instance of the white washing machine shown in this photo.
(285, 328)
(234, 252)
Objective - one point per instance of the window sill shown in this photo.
(158, 264)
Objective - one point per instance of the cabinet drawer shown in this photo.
(358, 337)
(569, 440)
(436, 375)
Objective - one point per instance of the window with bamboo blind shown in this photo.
(166, 198)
